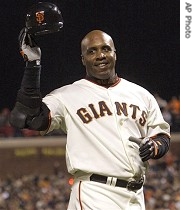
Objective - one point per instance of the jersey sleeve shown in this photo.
(58, 112)
(156, 122)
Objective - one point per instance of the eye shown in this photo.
(91, 51)
(107, 49)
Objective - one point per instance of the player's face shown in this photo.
(98, 56)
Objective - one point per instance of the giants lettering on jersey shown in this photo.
(103, 109)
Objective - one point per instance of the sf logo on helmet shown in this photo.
(40, 16)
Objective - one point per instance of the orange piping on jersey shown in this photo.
(116, 83)
(49, 116)
(104, 83)
(80, 196)
(49, 120)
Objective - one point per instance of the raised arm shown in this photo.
(29, 110)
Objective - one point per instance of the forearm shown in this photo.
(29, 93)
(29, 111)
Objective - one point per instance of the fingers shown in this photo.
(146, 153)
(146, 157)
(22, 42)
(28, 47)
(144, 141)
(31, 40)
(21, 37)
(26, 39)
(146, 150)
(146, 146)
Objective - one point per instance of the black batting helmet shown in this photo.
(43, 18)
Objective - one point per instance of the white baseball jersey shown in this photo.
(98, 122)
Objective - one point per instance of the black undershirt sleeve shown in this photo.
(29, 110)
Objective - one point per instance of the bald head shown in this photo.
(98, 55)
(96, 36)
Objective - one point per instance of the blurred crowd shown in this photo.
(51, 192)
(35, 192)
(170, 110)
(162, 187)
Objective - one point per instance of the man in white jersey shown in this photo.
(98, 113)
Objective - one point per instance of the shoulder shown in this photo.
(134, 87)
(66, 92)
(66, 89)
(134, 90)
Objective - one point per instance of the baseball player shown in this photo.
(103, 116)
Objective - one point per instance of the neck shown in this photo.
(104, 82)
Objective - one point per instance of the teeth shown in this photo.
(102, 64)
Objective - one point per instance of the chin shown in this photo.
(103, 76)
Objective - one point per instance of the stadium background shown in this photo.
(36, 166)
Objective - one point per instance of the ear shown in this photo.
(83, 60)
(115, 55)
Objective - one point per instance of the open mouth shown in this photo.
(101, 65)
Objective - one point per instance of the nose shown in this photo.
(100, 55)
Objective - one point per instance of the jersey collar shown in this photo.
(104, 82)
